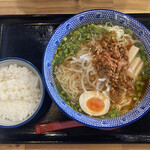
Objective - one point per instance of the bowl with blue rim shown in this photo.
(27, 68)
(84, 18)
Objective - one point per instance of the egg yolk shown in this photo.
(95, 104)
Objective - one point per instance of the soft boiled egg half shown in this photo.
(94, 103)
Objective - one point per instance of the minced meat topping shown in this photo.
(111, 61)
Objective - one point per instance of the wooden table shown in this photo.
(72, 7)
(76, 147)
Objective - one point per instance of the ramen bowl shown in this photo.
(95, 16)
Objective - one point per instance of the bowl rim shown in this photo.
(43, 90)
(47, 89)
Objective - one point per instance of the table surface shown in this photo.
(18, 7)
(71, 6)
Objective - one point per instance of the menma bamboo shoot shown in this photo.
(132, 53)
(138, 69)
(134, 64)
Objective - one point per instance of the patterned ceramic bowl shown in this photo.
(4, 123)
(81, 19)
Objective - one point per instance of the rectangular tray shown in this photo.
(27, 37)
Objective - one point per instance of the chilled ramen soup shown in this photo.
(101, 70)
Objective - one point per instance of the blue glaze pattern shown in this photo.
(93, 16)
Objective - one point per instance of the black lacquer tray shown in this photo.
(27, 37)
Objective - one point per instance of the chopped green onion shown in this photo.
(142, 48)
(102, 117)
(145, 76)
(82, 39)
(80, 110)
(67, 102)
(134, 98)
(142, 72)
(75, 108)
(56, 55)
(72, 52)
(106, 28)
(81, 30)
(75, 54)
(63, 92)
(144, 53)
(92, 24)
(146, 63)
(88, 36)
(138, 83)
(65, 51)
(64, 98)
(77, 32)
(147, 69)
(58, 49)
(139, 94)
(64, 46)
(60, 53)
(129, 31)
(75, 46)
(142, 83)
(73, 39)
(134, 95)
(66, 55)
(84, 27)
(65, 39)
(112, 115)
(139, 55)
(143, 58)
(139, 88)
(138, 45)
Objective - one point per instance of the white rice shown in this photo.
(19, 92)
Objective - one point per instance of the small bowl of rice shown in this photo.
(21, 92)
